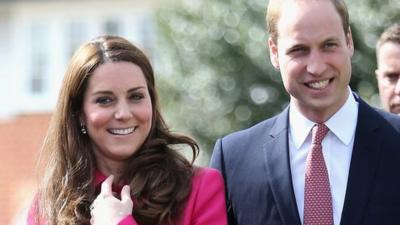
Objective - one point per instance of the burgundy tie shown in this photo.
(317, 192)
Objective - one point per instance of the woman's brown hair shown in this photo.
(159, 177)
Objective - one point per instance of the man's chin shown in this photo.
(395, 110)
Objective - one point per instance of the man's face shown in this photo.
(388, 76)
(313, 54)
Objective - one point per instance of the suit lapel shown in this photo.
(364, 162)
(278, 170)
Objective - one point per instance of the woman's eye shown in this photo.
(103, 100)
(136, 96)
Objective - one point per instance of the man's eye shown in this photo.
(103, 100)
(299, 50)
(330, 45)
(392, 77)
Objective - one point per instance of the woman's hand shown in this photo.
(107, 209)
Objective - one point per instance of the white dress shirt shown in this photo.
(337, 147)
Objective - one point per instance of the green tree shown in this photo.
(215, 74)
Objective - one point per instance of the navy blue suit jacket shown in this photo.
(255, 165)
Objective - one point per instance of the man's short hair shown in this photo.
(275, 7)
(391, 34)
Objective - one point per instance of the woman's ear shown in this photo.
(82, 124)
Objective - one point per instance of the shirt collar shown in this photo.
(300, 126)
(344, 122)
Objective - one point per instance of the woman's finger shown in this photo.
(126, 194)
(106, 186)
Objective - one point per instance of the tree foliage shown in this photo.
(214, 72)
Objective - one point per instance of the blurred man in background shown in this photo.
(388, 72)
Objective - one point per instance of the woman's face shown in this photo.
(117, 111)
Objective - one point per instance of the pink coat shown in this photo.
(205, 206)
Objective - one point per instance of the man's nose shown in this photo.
(316, 64)
(397, 87)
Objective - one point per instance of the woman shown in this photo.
(108, 157)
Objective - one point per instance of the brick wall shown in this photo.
(20, 139)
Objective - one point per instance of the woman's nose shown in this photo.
(123, 112)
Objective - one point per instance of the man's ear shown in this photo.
(350, 43)
(377, 74)
(273, 53)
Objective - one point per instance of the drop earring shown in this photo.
(83, 129)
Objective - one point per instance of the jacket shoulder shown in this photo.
(256, 132)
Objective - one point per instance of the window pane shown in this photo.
(39, 34)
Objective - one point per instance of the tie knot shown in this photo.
(318, 133)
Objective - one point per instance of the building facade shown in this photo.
(38, 38)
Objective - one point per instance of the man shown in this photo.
(270, 177)
(388, 72)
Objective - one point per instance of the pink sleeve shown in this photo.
(129, 220)
(207, 199)
(33, 212)
(32, 216)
